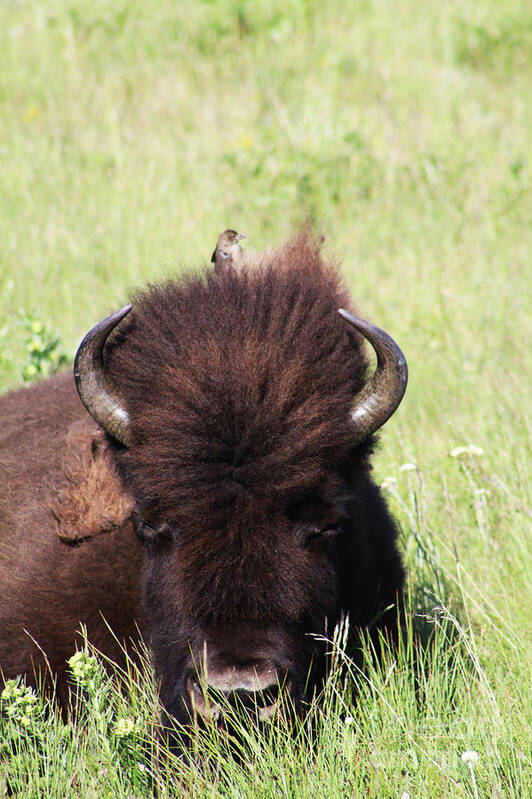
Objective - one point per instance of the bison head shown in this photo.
(245, 419)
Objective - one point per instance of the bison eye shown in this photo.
(147, 533)
(313, 535)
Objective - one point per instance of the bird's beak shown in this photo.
(240, 236)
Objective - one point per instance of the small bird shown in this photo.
(228, 251)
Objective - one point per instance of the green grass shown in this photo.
(130, 135)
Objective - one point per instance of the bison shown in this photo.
(217, 497)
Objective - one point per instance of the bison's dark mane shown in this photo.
(248, 385)
(239, 388)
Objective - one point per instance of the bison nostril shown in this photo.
(256, 701)
(266, 704)
(202, 702)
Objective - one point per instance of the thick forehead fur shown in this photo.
(239, 387)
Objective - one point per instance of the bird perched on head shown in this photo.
(228, 251)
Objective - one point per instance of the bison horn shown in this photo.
(380, 396)
(94, 386)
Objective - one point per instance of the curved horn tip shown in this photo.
(380, 397)
(95, 389)
(106, 326)
(124, 310)
(113, 319)
(346, 314)
(384, 338)
(354, 320)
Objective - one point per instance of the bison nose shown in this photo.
(257, 689)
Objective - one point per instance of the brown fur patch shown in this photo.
(94, 500)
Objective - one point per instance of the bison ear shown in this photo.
(92, 499)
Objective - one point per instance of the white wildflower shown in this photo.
(472, 449)
(389, 484)
(470, 756)
(124, 727)
(408, 467)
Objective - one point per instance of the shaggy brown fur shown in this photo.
(239, 388)
(94, 501)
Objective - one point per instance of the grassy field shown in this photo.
(131, 134)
